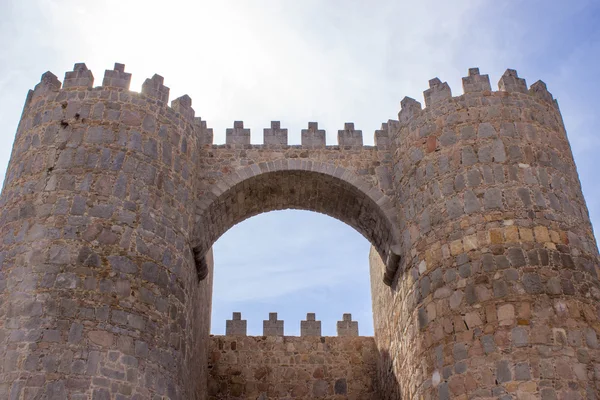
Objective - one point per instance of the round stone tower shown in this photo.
(96, 265)
(497, 291)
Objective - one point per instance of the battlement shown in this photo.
(236, 326)
(474, 84)
(438, 94)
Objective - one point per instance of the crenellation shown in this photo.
(349, 137)
(409, 109)
(183, 105)
(347, 327)
(275, 135)
(117, 77)
(540, 91)
(154, 87)
(437, 92)
(80, 77)
(273, 326)
(382, 136)
(310, 327)
(313, 137)
(48, 83)
(510, 82)
(205, 134)
(237, 135)
(236, 326)
(475, 82)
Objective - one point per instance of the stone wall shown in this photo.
(283, 367)
(113, 199)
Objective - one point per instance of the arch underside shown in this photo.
(294, 189)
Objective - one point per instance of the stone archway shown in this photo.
(313, 186)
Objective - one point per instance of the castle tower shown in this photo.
(497, 292)
(97, 270)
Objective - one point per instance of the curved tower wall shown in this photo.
(97, 270)
(497, 292)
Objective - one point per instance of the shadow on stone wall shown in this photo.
(387, 385)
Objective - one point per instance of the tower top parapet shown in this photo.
(438, 94)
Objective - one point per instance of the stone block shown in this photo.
(275, 135)
(437, 92)
(510, 82)
(349, 137)
(236, 326)
(205, 133)
(153, 87)
(48, 83)
(313, 137)
(80, 77)
(183, 105)
(540, 91)
(310, 327)
(347, 327)
(273, 326)
(117, 77)
(238, 134)
(475, 82)
(383, 135)
(409, 108)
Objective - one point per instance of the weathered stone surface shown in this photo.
(310, 327)
(512, 257)
(273, 326)
(236, 325)
(113, 199)
(111, 278)
(297, 367)
(347, 327)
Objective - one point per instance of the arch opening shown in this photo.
(341, 195)
(319, 265)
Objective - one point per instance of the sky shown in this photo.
(326, 61)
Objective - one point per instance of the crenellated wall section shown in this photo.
(113, 200)
(274, 366)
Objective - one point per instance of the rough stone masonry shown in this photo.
(484, 265)
(274, 366)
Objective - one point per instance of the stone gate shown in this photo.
(484, 264)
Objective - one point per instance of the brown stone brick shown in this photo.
(496, 236)
(541, 234)
(511, 234)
